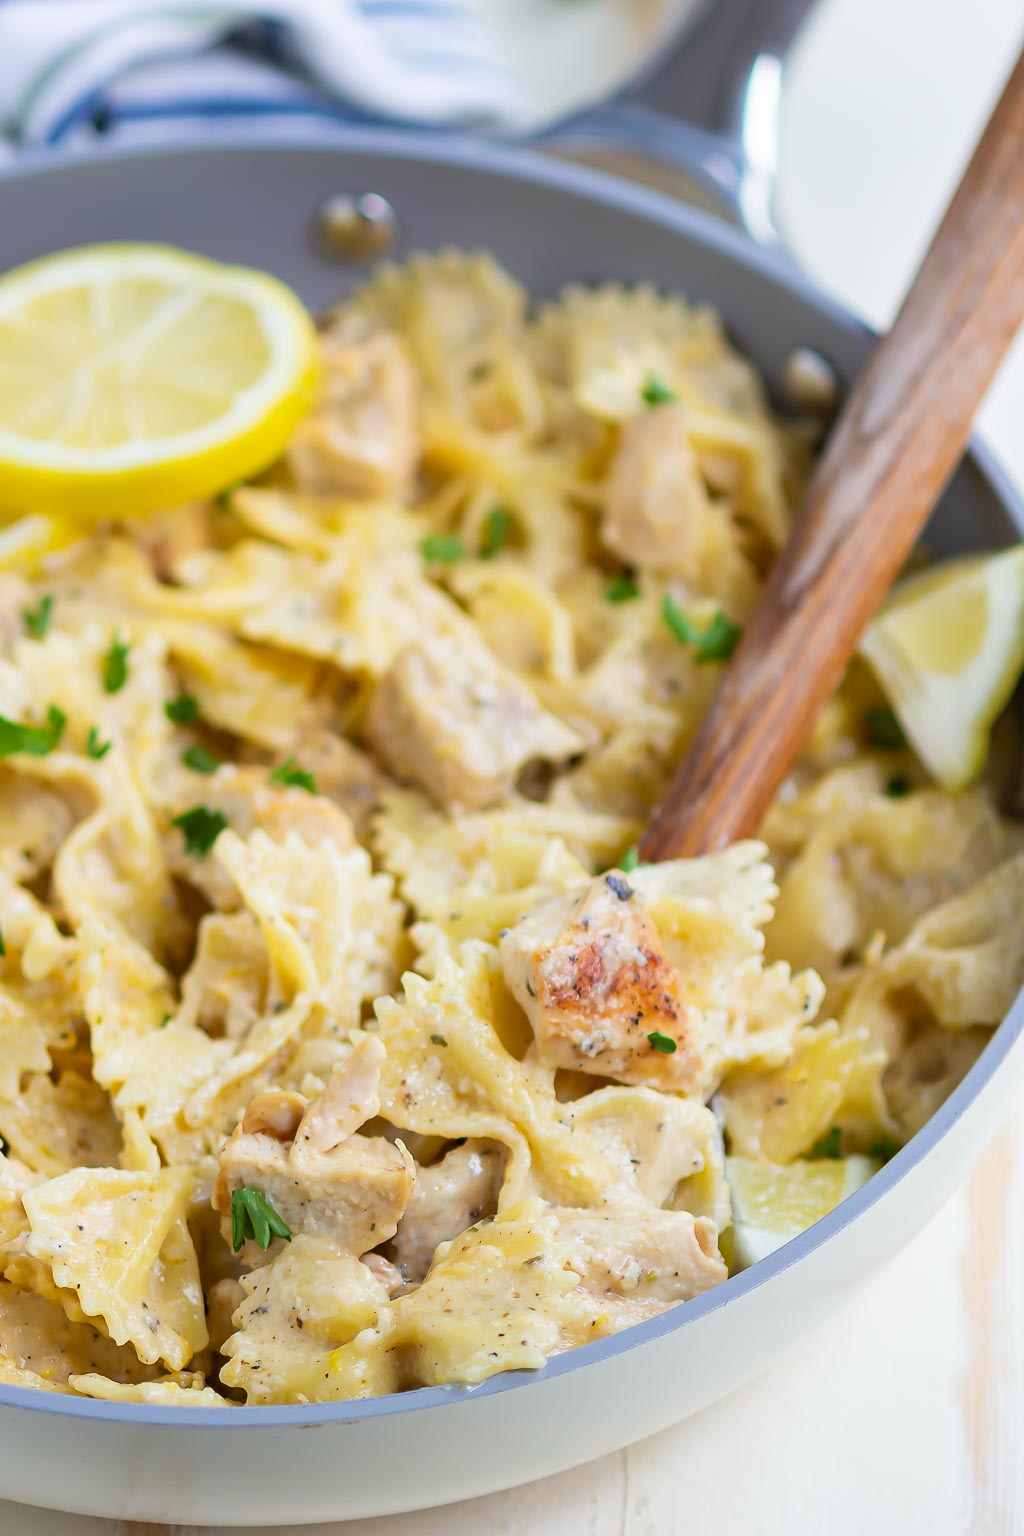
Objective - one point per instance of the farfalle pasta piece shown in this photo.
(165, 1392)
(298, 1310)
(119, 1240)
(499, 1297)
(41, 1347)
(779, 1113)
(965, 957)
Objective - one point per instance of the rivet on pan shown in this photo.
(810, 382)
(357, 228)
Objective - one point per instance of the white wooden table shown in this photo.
(906, 1413)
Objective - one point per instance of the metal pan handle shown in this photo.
(704, 122)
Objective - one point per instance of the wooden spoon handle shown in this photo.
(897, 441)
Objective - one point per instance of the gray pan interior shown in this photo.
(255, 200)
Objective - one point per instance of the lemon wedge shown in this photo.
(772, 1204)
(948, 648)
(134, 377)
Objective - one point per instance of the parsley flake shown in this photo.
(439, 1040)
(3, 947)
(293, 777)
(898, 785)
(200, 827)
(183, 710)
(630, 859)
(199, 760)
(622, 589)
(5, 1145)
(115, 665)
(715, 642)
(94, 746)
(830, 1146)
(497, 526)
(656, 392)
(37, 620)
(35, 740)
(663, 1043)
(442, 548)
(883, 729)
(252, 1215)
(885, 1148)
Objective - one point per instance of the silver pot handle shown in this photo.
(704, 123)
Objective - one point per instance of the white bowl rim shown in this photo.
(710, 231)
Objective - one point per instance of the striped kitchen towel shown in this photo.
(75, 68)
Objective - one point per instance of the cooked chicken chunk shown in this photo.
(657, 512)
(449, 1197)
(650, 1258)
(448, 717)
(590, 974)
(345, 775)
(250, 801)
(326, 1180)
(360, 439)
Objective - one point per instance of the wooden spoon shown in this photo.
(898, 439)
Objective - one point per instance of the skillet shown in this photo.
(257, 199)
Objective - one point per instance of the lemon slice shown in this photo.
(772, 1204)
(134, 377)
(948, 649)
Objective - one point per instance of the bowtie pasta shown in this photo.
(345, 1046)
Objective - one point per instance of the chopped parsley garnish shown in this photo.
(3, 947)
(200, 827)
(630, 859)
(293, 777)
(883, 729)
(622, 589)
(183, 710)
(885, 1148)
(898, 785)
(115, 665)
(663, 1043)
(37, 620)
(439, 1040)
(442, 548)
(94, 746)
(165, 1021)
(199, 760)
(829, 1146)
(5, 1145)
(715, 642)
(656, 392)
(252, 1215)
(35, 740)
(497, 526)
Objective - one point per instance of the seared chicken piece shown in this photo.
(657, 512)
(448, 717)
(316, 1171)
(588, 970)
(449, 1197)
(361, 439)
(648, 1257)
